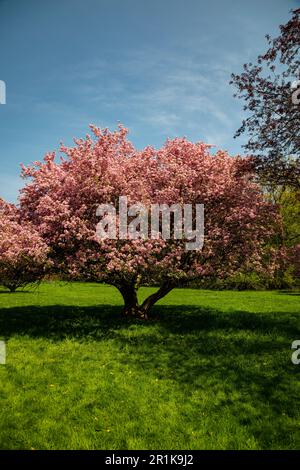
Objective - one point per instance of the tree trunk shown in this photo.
(11, 287)
(152, 299)
(131, 306)
(132, 309)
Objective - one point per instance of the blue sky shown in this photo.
(160, 67)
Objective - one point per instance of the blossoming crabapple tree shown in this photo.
(61, 198)
(23, 253)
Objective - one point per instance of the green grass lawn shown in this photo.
(212, 370)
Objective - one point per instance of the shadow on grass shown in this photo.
(16, 292)
(57, 322)
(289, 292)
(240, 360)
